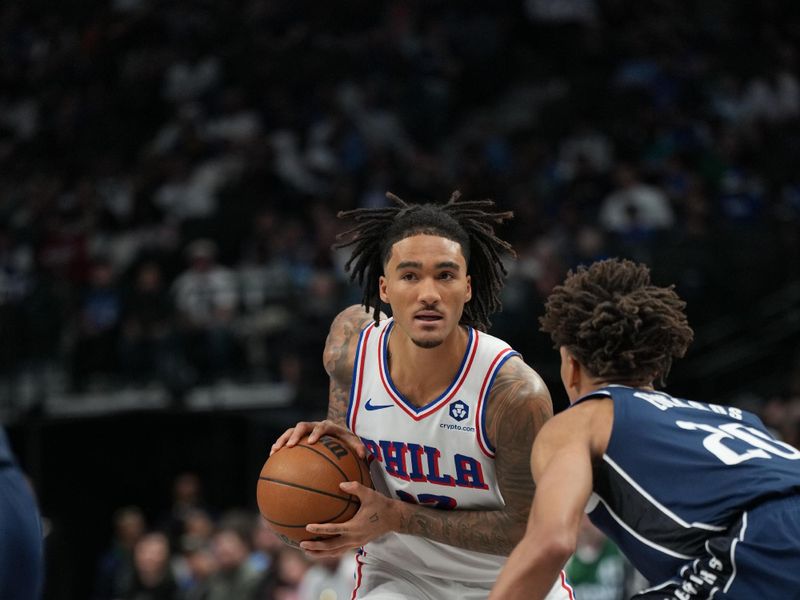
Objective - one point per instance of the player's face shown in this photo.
(425, 282)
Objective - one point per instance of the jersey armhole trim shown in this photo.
(480, 419)
(358, 376)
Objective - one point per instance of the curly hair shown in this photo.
(468, 223)
(616, 323)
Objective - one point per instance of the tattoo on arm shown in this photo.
(338, 359)
(338, 400)
(519, 404)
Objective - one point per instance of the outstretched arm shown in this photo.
(519, 404)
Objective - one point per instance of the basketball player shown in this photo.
(20, 531)
(700, 497)
(446, 412)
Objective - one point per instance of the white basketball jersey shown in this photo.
(437, 455)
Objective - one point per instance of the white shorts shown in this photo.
(377, 580)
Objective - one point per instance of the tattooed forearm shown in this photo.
(338, 399)
(493, 532)
(519, 404)
(338, 358)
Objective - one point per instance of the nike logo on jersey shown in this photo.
(370, 406)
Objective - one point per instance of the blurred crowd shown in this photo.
(190, 552)
(170, 173)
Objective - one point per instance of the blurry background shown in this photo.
(170, 174)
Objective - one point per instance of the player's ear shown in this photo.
(577, 371)
(469, 289)
(382, 290)
(571, 370)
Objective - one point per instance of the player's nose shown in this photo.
(428, 292)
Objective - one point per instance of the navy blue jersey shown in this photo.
(6, 457)
(677, 472)
(20, 531)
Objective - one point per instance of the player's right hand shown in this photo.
(315, 430)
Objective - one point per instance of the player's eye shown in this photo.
(446, 275)
(408, 276)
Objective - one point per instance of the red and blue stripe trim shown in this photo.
(358, 376)
(419, 413)
(483, 397)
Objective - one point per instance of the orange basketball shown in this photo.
(300, 485)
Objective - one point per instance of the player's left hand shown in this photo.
(377, 516)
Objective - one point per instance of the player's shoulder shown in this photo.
(516, 390)
(342, 340)
(587, 422)
(519, 403)
(520, 377)
(352, 318)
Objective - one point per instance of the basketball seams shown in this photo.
(306, 488)
(345, 477)
(330, 520)
(328, 458)
(347, 502)
(280, 481)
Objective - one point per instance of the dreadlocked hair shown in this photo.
(616, 323)
(469, 223)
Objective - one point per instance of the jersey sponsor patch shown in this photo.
(459, 410)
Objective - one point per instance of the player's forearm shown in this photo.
(531, 570)
(490, 531)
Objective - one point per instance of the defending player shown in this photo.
(447, 412)
(20, 531)
(700, 497)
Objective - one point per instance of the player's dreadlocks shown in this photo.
(467, 222)
(616, 323)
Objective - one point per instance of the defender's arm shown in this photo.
(570, 443)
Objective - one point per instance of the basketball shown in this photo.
(300, 485)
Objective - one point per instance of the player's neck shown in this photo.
(421, 374)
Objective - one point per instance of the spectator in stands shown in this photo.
(153, 578)
(267, 294)
(187, 510)
(635, 208)
(201, 564)
(235, 578)
(330, 577)
(206, 299)
(115, 571)
(283, 580)
(146, 341)
(266, 546)
(98, 322)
